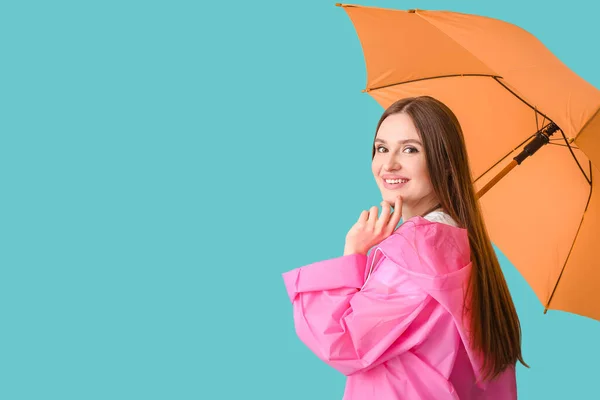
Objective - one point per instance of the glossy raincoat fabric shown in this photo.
(392, 321)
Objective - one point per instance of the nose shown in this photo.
(392, 163)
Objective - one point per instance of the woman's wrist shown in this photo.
(348, 251)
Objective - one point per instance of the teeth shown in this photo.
(396, 180)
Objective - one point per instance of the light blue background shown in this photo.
(162, 163)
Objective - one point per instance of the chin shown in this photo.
(390, 201)
(391, 195)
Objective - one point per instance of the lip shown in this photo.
(393, 186)
(391, 176)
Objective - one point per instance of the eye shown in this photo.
(412, 149)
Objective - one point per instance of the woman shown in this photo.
(427, 314)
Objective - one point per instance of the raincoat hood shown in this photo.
(442, 274)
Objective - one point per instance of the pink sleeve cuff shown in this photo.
(345, 271)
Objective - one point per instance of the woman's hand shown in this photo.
(370, 230)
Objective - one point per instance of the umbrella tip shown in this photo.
(338, 4)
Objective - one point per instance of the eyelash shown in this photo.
(412, 148)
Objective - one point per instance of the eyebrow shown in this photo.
(400, 141)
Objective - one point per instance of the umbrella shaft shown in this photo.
(501, 175)
(542, 137)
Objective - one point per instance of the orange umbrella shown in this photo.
(507, 89)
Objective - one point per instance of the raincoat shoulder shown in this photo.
(430, 250)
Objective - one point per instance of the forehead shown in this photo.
(397, 127)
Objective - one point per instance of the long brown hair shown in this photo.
(495, 328)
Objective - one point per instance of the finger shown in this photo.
(363, 217)
(384, 217)
(396, 215)
(373, 211)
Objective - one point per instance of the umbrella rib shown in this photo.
(572, 245)
(588, 121)
(589, 180)
(536, 119)
(426, 79)
(564, 145)
(549, 119)
(523, 100)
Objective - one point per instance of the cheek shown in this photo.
(375, 167)
(426, 184)
(424, 178)
(421, 168)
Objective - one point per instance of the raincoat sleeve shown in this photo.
(350, 326)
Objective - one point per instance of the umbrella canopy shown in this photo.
(504, 85)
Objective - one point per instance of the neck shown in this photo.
(422, 210)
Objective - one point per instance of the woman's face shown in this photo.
(399, 153)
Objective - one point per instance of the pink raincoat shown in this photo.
(392, 321)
